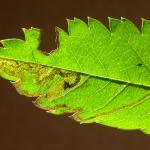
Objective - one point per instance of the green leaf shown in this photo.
(97, 75)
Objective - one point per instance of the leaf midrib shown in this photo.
(84, 73)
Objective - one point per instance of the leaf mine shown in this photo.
(96, 74)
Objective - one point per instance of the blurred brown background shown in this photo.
(25, 127)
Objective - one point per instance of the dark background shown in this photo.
(25, 127)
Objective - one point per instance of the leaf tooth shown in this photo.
(145, 26)
(76, 27)
(114, 24)
(32, 35)
(81, 22)
(11, 43)
(129, 26)
(97, 26)
(61, 32)
(122, 26)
